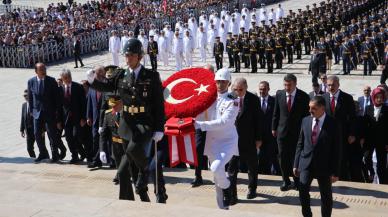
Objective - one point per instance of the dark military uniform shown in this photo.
(278, 54)
(152, 50)
(367, 50)
(261, 53)
(236, 46)
(269, 51)
(347, 57)
(218, 52)
(298, 45)
(245, 52)
(289, 45)
(336, 48)
(253, 49)
(142, 115)
(307, 42)
(229, 50)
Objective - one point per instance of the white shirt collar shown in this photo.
(40, 79)
(136, 70)
(321, 119)
(265, 98)
(336, 94)
(222, 95)
(293, 93)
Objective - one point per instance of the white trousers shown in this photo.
(178, 60)
(189, 59)
(116, 59)
(221, 181)
(145, 59)
(202, 52)
(164, 57)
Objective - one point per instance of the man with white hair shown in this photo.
(220, 147)
(114, 48)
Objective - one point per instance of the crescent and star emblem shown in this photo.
(168, 90)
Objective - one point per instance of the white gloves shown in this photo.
(103, 157)
(90, 76)
(157, 136)
(100, 130)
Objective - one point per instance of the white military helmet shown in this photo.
(223, 75)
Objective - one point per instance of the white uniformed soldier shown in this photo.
(201, 43)
(220, 147)
(163, 48)
(211, 37)
(144, 41)
(188, 49)
(177, 50)
(114, 48)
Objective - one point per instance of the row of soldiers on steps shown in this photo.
(352, 39)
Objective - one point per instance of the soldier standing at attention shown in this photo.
(236, 53)
(152, 50)
(143, 118)
(229, 49)
(218, 52)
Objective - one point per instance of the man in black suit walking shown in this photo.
(340, 105)
(268, 162)
(74, 108)
(77, 51)
(46, 108)
(27, 126)
(315, 65)
(249, 129)
(318, 155)
(291, 106)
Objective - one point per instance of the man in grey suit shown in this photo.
(365, 101)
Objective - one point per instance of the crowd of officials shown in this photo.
(272, 137)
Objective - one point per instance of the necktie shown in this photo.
(264, 106)
(41, 88)
(98, 96)
(315, 132)
(241, 104)
(133, 77)
(289, 102)
(67, 93)
(332, 104)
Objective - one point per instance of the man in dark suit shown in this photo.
(365, 101)
(74, 109)
(268, 161)
(27, 126)
(340, 105)
(318, 155)
(316, 91)
(249, 129)
(93, 108)
(315, 65)
(77, 51)
(323, 85)
(46, 108)
(291, 106)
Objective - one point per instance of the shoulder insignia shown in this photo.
(108, 111)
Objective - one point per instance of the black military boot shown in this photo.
(226, 199)
(141, 186)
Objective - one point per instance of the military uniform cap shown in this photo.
(113, 100)
(133, 46)
(109, 70)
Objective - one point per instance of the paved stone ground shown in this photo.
(28, 189)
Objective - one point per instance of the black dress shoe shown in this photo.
(294, 186)
(54, 160)
(74, 160)
(144, 197)
(76, 67)
(62, 155)
(116, 181)
(233, 200)
(161, 198)
(197, 182)
(95, 164)
(251, 194)
(285, 187)
(40, 158)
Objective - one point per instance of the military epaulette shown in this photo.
(108, 111)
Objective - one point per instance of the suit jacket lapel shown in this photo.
(339, 102)
(323, 130)
(309, 130)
